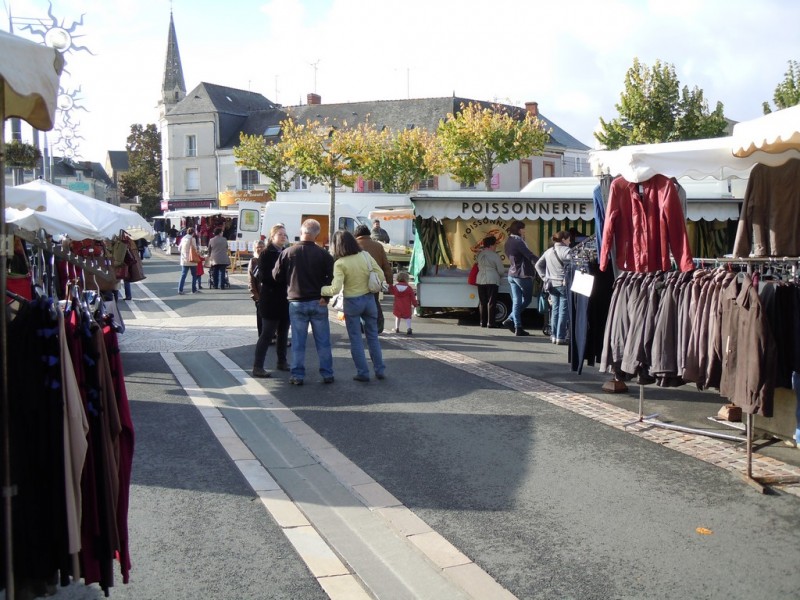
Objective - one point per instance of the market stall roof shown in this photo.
(200, 212)
(30, 75)
(80, 217)
(392, 214)
(22, 199)
(696, 159)
(773, 133)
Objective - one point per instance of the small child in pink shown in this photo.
(404, 302)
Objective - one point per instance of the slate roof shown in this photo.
(118, 159)
(421, 112)
(252, 113)
(67, 168)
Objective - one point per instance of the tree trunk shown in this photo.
(332, 214)
(488, 167)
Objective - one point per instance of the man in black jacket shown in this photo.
(304, 268)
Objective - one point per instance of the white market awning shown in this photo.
(80, 217)
(696, 159)
(392, 214)
(774, 133)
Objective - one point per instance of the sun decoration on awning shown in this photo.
(62, 38)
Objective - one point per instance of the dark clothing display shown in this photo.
(72, 442)
(770, 217)
(304, 268)
(644, 223)
(587, 314)
(708, 327)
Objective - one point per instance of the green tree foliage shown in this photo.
(325, 153)
(267, 157)
(143, 178)
(653, 108)
(787, 93)
(22, 155)
(400, 160)
(478, 138)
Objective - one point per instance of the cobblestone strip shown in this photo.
(713, 451)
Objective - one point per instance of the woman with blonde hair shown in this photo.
(273, 305)
(351, 275)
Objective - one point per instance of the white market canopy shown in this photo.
(200, 212)
(773, 133)
(696, 159)
(77, 216)
(29, 77)
(21, 199)
(392, 214)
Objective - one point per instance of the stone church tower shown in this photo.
(173, 88)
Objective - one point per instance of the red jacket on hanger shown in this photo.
(645, 228)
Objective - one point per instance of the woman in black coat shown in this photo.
(273, 306)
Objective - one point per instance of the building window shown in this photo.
(300, 182)
(427, 184)
(376, 186)
(191, 145)
(549, 169)
(578, 165)
(249, 179)
(192, 180)
(467, 186)
(525, 173)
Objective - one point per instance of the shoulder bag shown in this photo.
(374, 284)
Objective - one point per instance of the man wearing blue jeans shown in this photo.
(305, 268)
(520, 276)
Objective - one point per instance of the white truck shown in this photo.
(364, 203)
(352, 209)
(256, 219)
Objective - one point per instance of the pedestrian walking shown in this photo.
(520, 276)
(490, 272)
(189, 258)
(405, 299)
(351, 273)
(273, 305)
(377, 252)
(550, 268)
(304, 268)
(219, 259)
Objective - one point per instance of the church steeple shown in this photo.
(173, 88)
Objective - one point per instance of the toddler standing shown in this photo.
(404, 302)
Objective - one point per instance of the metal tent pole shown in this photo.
(6, 247)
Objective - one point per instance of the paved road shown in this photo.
(481, 467)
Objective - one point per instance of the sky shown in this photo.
(570, 57)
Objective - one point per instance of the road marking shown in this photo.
(454, 565)
(330, 572)
(158, 302)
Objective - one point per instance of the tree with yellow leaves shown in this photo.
(325, 153)
(479, 137)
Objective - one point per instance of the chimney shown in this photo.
(314, 99)
(531, 107)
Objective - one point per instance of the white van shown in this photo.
(257, 218)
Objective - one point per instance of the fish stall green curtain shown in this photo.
(430, 237)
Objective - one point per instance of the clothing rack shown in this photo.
(747, 439)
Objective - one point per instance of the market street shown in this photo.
(481, 467)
